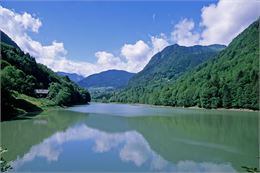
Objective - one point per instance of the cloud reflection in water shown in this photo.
(131, 146)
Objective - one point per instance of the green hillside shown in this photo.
(230, 80)
(171, 62)
(21, 75)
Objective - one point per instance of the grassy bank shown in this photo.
(42, 103)
(23, 104)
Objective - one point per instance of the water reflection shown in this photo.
(130, 147)
(144, 140)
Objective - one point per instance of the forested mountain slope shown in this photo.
(172, 61)
(6, 39)
(230, 80)
(21, 75)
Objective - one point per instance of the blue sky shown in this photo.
(87, 37)
(88, 27)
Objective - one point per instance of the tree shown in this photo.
(15, 79)
(63, 98)
(226, 96)
(53, 90)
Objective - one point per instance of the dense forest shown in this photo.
(228, 80)
(21, 75)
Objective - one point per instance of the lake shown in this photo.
(127, 138)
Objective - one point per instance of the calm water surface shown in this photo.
(126, 138)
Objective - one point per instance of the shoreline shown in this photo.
(225, 109)
(34, 113)
(192, 107)
(44, 109)
(55, 107)
(199, 108)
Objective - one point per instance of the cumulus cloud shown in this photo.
(135, 52)
(136, 55)
(225, 20)
(107, 59)
(19, 22)
(159, 43)
(183, 35)
(220, 23)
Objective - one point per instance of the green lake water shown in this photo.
(126, 138)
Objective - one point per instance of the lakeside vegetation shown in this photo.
(5, 166)
(21, 75)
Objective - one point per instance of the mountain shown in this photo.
(163, 68)
(229, 80)
(173, 61)
(21, 75)
(110, 78)
(72, 76)
(7, 40)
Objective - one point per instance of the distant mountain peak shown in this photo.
(72, 76)
(110, 78)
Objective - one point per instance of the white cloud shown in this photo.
(159, 43)
(220, 23)
(183, 35)
(136, 55)
(28, 22)
(135, 52)
(19, 22)
(107, 59)
(225, 20)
